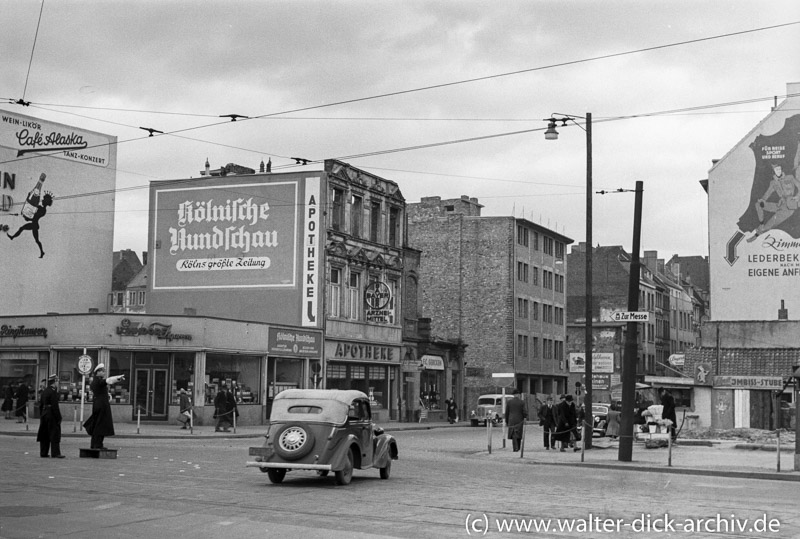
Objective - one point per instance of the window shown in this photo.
(535, 241)
(536, 310)
(337, 217)
(353, 307)
(559, 250)
(522, 235)
(547, 279)
(141, 298)
(559, 283)
(356, 216)
(394, 301)
(522, 272)
(335, 293)
(535, 276)
(522, 308)
(548, 246)
(374, 221)
(535, 349)
(522, 346)
(394, 226)
(241, 374)
(559, 316)
(131, 298)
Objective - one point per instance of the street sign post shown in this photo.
(504, 380)
(84, 367)
(630, 316)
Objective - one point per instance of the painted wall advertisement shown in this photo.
(244, 247)
(56, 215)
(754, 222)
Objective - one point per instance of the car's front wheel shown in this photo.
(386, 470)
(344, 476)
(276, 475)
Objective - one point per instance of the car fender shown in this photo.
(339, 457)
(385, 450)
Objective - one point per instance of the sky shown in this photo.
(448, 97)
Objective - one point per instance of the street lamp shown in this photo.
(552, 134)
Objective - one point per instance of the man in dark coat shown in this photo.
(547, 419)
(565, 414)
(516, 414)
(21, 409)
(452, 411)
(101, 424)
(222, 410)
(49, 435)
(668, 411)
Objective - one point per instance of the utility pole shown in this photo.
(631, 346)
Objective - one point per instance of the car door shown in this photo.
(361, 422)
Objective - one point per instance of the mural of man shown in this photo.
(787, 188)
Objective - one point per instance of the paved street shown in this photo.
(444, 485)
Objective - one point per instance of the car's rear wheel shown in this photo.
(386, 470)
(276, 475)
(293, 441)
(344, 476)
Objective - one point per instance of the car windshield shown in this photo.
(488, 401)
(599, 409)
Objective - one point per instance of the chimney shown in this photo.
(269, 164)
(208, 169)
(144, 258)
(261, 166)
(783, 312)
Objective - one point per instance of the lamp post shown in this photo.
(552, 134)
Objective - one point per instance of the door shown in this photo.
(150, 393)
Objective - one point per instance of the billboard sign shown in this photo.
(57, 187)
(754, 220)
(602, 362)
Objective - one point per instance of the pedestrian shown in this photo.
(516, 414)
(185, 407)
(452, 411)
(565, 417)
(21, 409)
(221, 411)
(8, 400)
(101, 424)
(547, 420)
(668, 410)
(49, 435)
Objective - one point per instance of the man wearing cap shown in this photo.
(101, 424)
(516, 414)
(49, 435)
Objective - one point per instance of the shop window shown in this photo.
(182, 375)
(283, 374)
(337, 371)
(682, 396)
(20, 367)
(69, 379)
(241, 374)
(431, 385)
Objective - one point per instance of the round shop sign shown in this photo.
(85, 364)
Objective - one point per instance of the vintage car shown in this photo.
(490, 407)
(600, 419)
(324, 430)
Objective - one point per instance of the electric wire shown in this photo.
(33, 48)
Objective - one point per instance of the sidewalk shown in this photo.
(727, 458)
(719, 458)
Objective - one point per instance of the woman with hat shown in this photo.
(101, 424)
(49, 435)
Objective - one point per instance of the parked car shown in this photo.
(600, 417)
(489, 408)
(323, 430)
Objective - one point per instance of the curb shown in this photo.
(789, 448)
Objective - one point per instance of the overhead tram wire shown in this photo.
(30, 62)
(500, 75)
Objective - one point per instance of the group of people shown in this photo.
(561, 423)
(15, 401)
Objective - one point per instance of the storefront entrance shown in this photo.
(150, 390)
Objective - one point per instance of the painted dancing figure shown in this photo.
(33, 222)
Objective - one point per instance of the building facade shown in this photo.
(495, 286)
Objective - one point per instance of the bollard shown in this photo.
(779, 450)
(669, 446)
(583, 440)
(74, 419)
(233, 413)
(489, 434)
(522, 441)
(138, 418)
(191, 420)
